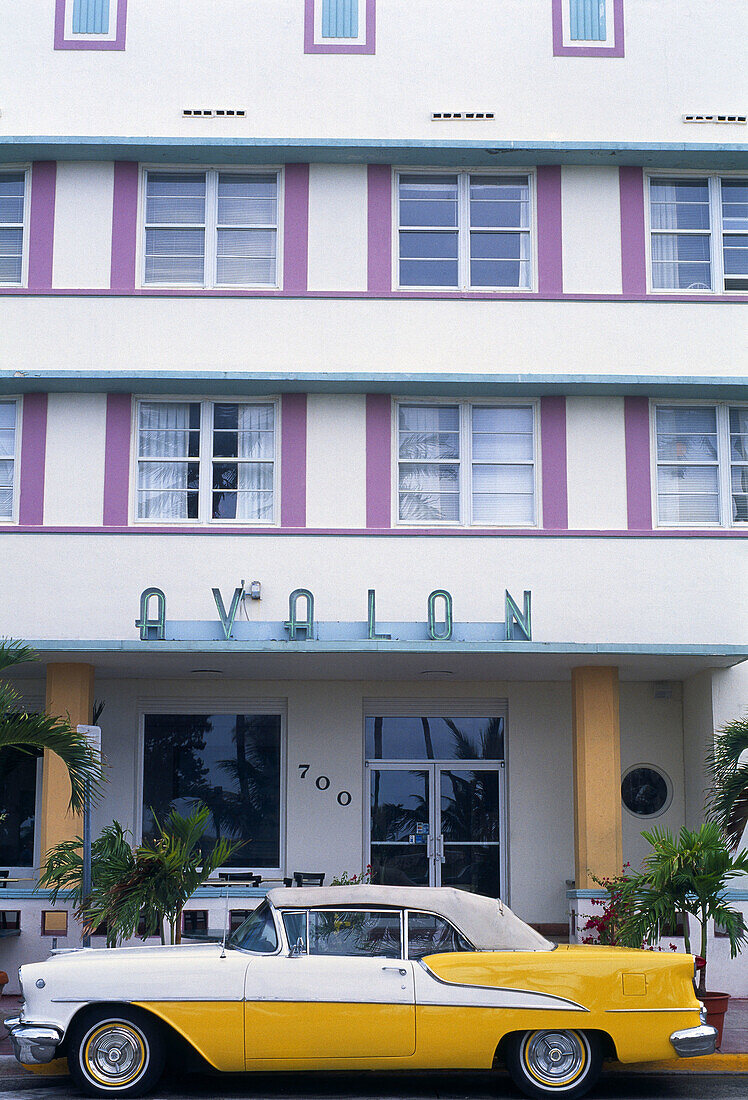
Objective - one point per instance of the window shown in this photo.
(206, 461)
(90, 16)
(702, 464)
(211, 229)
(18, 793)
(699, 231)
(12, 217)
(90, 24)
(464, 231)
(230, 762)
(587, 20)
(340, 18)
(646, 791)
(8, 445)
(431, 935)
(355, 932)
(257, 933)
(466, 464)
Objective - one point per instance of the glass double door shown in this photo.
(437, 824)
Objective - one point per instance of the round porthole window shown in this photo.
(646, 791)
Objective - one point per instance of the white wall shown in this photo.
(652, 733)
(337, 227)
(234, 55)
(363, 336)
(83, 224)
(591, 230)
(596, 463)
(597, 590)
(74, 470)
(336, 461)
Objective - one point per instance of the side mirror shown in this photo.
(297, 950)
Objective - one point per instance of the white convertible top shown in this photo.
(488, 924)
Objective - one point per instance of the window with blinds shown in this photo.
(467, 464)
(340, 18)
(464, 230)
(206, 461)
(210, 229)
(8, 415)
(699, 233)
(587, 20)
(12, 214)
(90, 16)
(702, 464)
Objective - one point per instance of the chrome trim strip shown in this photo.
(652, 1009)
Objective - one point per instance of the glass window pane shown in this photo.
(433, 738)
(432, 935)
(428, 273)
(510, 418)
(429, 477)
(699, 419)
(500, 201)
(11, 249)
(735, 204)
(258, 932)
(427, 246)
(679, 204)
(246, 257)
(175, 256)
(429, 418)
(487, 445)
(355, 932)
(739, 489)
(175, 198)
(514, 508)
(247, 200)
(18, 770)
(295, 926)
(229, 762)
(7, 414)
(502, 479)
(428, 200)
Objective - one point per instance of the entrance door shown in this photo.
(437, 825)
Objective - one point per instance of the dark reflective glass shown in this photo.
(229, 762)
(431, 935)
(644, 791)
(473, 867)
(354, 932)
(428, 738)
(258, 933)
(18, 801)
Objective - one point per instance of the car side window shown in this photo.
(355, 932)
(295, 926)
(258, 932)
(432, 935)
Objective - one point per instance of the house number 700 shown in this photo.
(322, 782)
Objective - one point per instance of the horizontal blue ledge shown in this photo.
(408, 384)
(234, 150)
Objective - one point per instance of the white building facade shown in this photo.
(374, 432)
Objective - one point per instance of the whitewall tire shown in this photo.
(554, 1063)
(115, 1052)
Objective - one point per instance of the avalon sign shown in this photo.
(301, 624)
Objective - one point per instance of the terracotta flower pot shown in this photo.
(716, 1007)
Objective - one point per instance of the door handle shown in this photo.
(440, 849)
(397, 970)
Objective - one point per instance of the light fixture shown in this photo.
(437, 674)
(206, 673)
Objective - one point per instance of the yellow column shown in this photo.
(598, 845)
(70, 695)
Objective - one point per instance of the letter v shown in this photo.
(227, 621)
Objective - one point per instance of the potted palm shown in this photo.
(687, 874)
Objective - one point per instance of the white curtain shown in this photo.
(255, 451)
(163, 484)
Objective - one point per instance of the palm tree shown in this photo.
(32, 733)
(728, 795)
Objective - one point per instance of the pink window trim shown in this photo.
(296, 228)
(550, 262)
(33, 459)
(633, 237)
(42, 224)
(117, 459)
(78, 42)
(124, 225)
(560, 50)
(378, 460)
(293, 460)
(553, 462)
(369, 46)
(379, 228)
(638, 463)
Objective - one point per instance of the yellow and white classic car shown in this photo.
(361, 977)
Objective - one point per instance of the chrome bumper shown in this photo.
(33, 1044)
(694, 1041)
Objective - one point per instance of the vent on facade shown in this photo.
(462, 116)
(716, 118)
(213, 112)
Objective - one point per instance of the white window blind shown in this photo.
(464, 230)
(211, 229)
(702, 464)
(12, 200)
(7, 457)
(205, 461)
(466, 464)
(699, 233)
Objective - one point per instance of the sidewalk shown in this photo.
(733, 1058)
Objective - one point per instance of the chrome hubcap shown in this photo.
(115, 1054)
(556, 1057)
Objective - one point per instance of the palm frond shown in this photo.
(727, 798)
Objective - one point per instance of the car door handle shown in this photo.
(397, 970)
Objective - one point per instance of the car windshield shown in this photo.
(257, 933)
